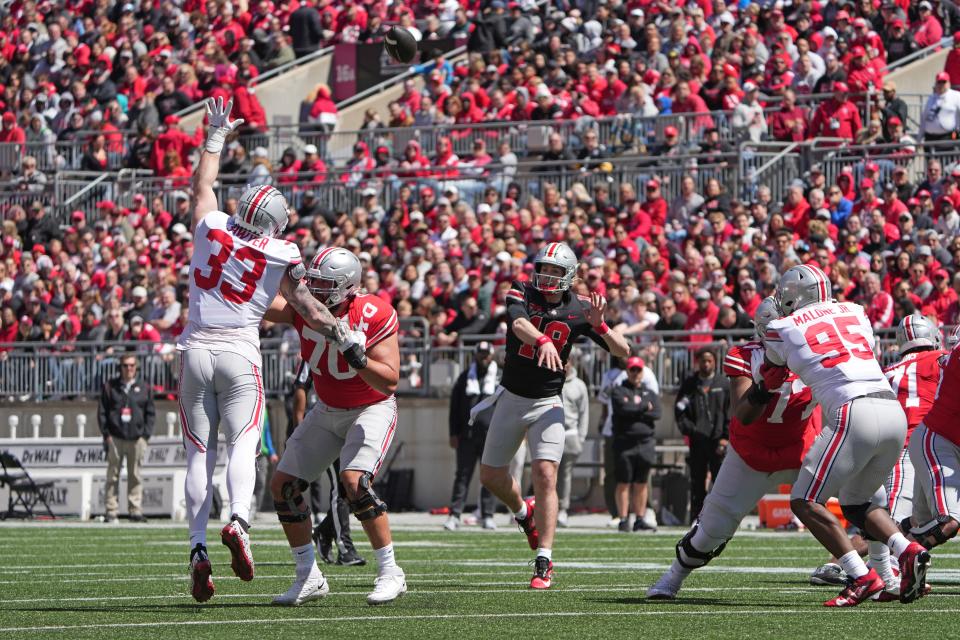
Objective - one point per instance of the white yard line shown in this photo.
(462, 616)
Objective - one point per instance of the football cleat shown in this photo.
(313, 587)
(238, 541)
(200, 571)
(324, 545)
(827, 575)
(624, 526)
(489, 524)
(914, 563)
(452, 523)
(542, 573)
(667, 587)
(858, 591)
(387, 588)
(349, 557)
(529, 526)
(641, 525)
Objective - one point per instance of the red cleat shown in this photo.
(529, 526)
(914, 563)
(238, 541)
(858, 591)
(542, 573)
(200, 570)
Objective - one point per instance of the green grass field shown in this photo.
(130, 582)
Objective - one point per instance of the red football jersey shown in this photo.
(780, 437)
(942, 417)
(915, 379)
(338, 385)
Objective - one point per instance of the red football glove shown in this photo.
(773, 376)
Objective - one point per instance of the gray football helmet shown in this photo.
(560, 255)
(916, 331)
(802, 286)
(334, 276)
(263, 211)
(767, 312)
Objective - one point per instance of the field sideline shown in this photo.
(100, 581)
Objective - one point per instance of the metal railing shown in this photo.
(40, 371)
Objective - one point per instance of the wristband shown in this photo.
(542, 340)
(215, 139)
(602, 330)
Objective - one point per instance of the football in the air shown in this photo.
(400, 44)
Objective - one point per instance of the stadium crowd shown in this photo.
(697, 258)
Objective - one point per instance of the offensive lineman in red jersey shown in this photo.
(354, 420)
(769, 436)
(935, 449)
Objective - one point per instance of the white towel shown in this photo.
(489, 380)
(484, 404)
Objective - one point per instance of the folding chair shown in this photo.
(24, 492)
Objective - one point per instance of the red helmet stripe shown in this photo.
(551, 249)
(264, 190)
(821, 280)
(323, 254)
(908, 327)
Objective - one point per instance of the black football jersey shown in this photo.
(564, 322)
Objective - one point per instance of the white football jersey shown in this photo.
(234, 276)
(830, 346)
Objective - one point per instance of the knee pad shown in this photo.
(368, 504)
(292, 508)
(856, 514)
(933, 533)
(692, 558)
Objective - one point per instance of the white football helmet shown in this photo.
(263, 211)
(767, 312)
(334, 276)
(560, 255)
(800, 287)
(916, 331)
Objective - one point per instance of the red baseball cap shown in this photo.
(872, 166)
(897, 24)
(843, 15)
(894, 120)
(840, 87)
(653, 183)
(858, 51)
(923, 193)
(943, 76)
(866, 183)
(635, 362)
(671, 131)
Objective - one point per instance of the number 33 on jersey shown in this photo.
(336, 384)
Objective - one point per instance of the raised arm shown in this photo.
(220, 126)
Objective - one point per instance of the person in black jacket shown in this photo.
(126, 415)
(478, 382)
(702, 411)
(305, 30)
(634, 409)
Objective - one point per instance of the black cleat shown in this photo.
(350, 558)
(641, 525)
(624, 526)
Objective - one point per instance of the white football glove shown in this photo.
(353, 345)
(220, 125)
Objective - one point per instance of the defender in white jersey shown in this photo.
(239, 265)
(830, 346)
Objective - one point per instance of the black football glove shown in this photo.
(355, 356)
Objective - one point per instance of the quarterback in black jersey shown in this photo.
(545, 318)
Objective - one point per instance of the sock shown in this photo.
(546, 553)
(306, 559)
(385, 559)
(853, 564)
(522, 513)
(679, 569)
(898, 543)
(880, 561)
(198, 537)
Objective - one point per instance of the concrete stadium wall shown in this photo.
(422, 429)
(918, 76)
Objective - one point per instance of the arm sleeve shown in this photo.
(775, 350)
(103, 410)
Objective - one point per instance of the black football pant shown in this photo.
(469, 452)
(336, 522)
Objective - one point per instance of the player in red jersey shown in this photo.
(935, 450)
(769, 436)
(356, 418)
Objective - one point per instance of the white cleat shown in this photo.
(489, 524)
(313, 587)
(563, 519)
(666, 588)
(452, 523)
(387, 588)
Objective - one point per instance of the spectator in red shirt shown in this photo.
(141, 331)
(789, 123)
(685, 101)
(655, 204)
(176, 139)
(927, 29)
(749, 299)
(943, 295)
(879, 303)
(860, 75)
(952, 65)
(836, 117)
(703, 317)
(247, 105)
(10, 131)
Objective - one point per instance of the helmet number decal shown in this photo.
(557, 331)
(333, 357)
(836, 341)
(249, 277)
